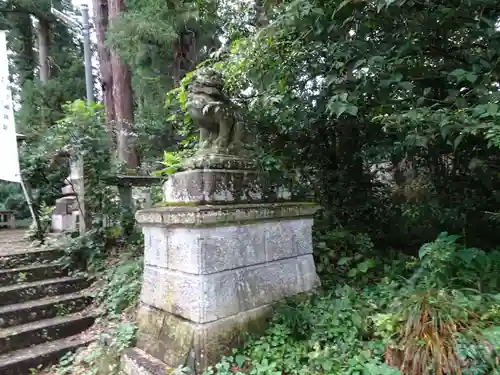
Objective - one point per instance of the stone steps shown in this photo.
(45, 308)
(24, 292)
(41, 309)
(136, 361)
(34, 333)
(31, 273)
(21, 258)
(22, 361)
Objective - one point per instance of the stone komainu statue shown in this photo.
(214, 113)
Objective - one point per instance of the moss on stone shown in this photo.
(174, 204)
(173, 339)
(305, 203)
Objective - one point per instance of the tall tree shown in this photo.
(122, 98)
(101, 21)
(161, 41)
(43, 49)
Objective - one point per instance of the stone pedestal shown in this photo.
(212, 272)
(63, 218)
(66, 215)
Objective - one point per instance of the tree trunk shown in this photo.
(101, 26)
(43, 49)
(123, 101)
(21, 42)
(185, 56)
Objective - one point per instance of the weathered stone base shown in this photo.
(66, 205)
(62, 222)
(179, 342)
(137, 362)
(63, 217)
(65, 222)
(211, 186)
(207, 298)
(212, 273)
(222, 179)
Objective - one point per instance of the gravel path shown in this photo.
(11, 241)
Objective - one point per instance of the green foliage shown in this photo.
(446, 264)
(103, 357)
(122, 284)
(161, 42)
(116, 294)
(171, 163)
(35, 233)
(40, 104)
(82, 132)
(337, 89)
(82, 252)
(12, 198)
(341, 253)
(385, 324)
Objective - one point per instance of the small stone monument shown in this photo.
(223, 249)
(66, 214)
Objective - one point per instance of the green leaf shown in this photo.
(406, 85)
(352, 110)
(342, 5)
(352, 272)
(356, 319)
(458, 73)
(492, 108)
(240, 360)
(366, 265)
(327, 365)
(471, 77)
(424, 250)
(343, 260)
(457, 140)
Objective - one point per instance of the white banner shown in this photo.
(9, 157)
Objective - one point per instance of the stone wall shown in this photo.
(214, 272)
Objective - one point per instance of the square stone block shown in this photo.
(205, 186)
(178, 342)
(62, 222)
(199, 298)
(212, 272)
(220, 215)
(205, 250)
(137, 362)
(155, 246)
(206, 298)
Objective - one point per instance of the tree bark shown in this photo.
(43, 49)
(21, 42)
(123, 100)
(101, 26)
(184, 56)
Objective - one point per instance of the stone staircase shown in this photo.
(41, 308)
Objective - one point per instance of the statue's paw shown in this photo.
(220, 143)
(204, 145)
(236, 145)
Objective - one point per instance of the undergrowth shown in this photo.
(435, 314)
(115, 294)
(438, 313)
